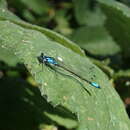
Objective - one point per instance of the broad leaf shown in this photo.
(23, 108)
(66, 90)
(98, 109)
(118, 23)
(8, 57)
(3, 4)
(6, 15)
(95, 40)
(37, 6)
(86, 15)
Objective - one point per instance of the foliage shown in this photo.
(100, 28)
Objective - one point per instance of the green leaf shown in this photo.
(86, 15)
(122, 73)
(38, 6)
(118, 23)
(105, 68)
(3, 4)
(68, 123)
(28, 15)
(6, 15)
(27, 106)
(8, 57)
(95, 40)
(66, 90)
(62, 23)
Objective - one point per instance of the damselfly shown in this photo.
(50, 62)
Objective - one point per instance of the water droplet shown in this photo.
(59, 58)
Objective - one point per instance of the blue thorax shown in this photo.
(49, 60)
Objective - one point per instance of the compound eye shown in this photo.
(42, 54)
